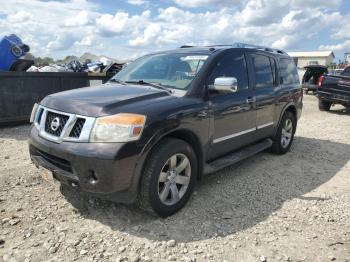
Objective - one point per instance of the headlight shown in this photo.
(32, 115)
(118, 128)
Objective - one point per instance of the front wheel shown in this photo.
(168, 178)
(285, 134)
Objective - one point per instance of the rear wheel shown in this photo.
(324, 105)
(285, 134)
(168, 178)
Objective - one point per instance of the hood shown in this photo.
(100, 100)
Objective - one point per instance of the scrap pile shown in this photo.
(103, 66)
(12, 51)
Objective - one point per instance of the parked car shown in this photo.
(311, 77)
(334, 89)
(338, 71)
(166, 120)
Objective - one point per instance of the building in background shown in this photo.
(302, 59)
(347, 58)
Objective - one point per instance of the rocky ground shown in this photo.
(294, 207)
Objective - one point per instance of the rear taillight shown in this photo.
(320, 80)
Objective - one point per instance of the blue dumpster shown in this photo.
(11, 49)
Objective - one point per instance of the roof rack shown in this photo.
(264, 48)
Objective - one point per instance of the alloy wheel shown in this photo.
(174, 179)
(287, 133)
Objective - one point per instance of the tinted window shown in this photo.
(274, 74)
(173, 70)
(263, 71)
(288, 70)
(232, 65)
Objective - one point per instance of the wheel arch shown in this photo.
(291, 108)
(189, 137)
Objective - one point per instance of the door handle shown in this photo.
(251, 100)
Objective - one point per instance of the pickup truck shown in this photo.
(334, 89)
(166, 120)
(311, 77)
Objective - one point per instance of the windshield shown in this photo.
(169, 70)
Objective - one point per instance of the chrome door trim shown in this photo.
(265, 125)
(220, 139)
(217, 140)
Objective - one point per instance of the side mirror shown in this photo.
(225, 84)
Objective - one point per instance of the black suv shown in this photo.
(166, 120)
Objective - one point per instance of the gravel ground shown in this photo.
(294, 207)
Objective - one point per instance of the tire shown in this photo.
(161, 192)
(324, 105)
(286, 128)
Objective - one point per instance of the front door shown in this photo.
(233, 114)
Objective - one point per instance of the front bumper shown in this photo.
(104, 169)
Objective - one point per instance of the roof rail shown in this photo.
(264, 48)
(186, 46)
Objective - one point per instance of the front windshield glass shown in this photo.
(169, 70)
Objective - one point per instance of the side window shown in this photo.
(263, 71)
(274, 71)
(231, 65)
(288, 71)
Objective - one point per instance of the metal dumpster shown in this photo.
(20, 90)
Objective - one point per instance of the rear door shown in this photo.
(264, 73)
(234, 114)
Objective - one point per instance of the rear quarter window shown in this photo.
(288, 71)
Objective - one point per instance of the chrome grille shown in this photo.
(62, 121)
(77, 128)
(66, 126)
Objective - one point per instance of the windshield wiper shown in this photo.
(141, 82)
(117, 81)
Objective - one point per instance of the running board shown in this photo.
(236, 156)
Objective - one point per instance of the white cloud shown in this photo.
(344, 46)
(150, 34)
(62, 42)
(136, 2)
(59, 28)
(80, 19)
(261, 12)
(121, 23)
(86, 40)
(19, 17)
(316, 4)
(342, 31)
(201, 3)
(43, 24)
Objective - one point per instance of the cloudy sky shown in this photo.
(130, 28)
